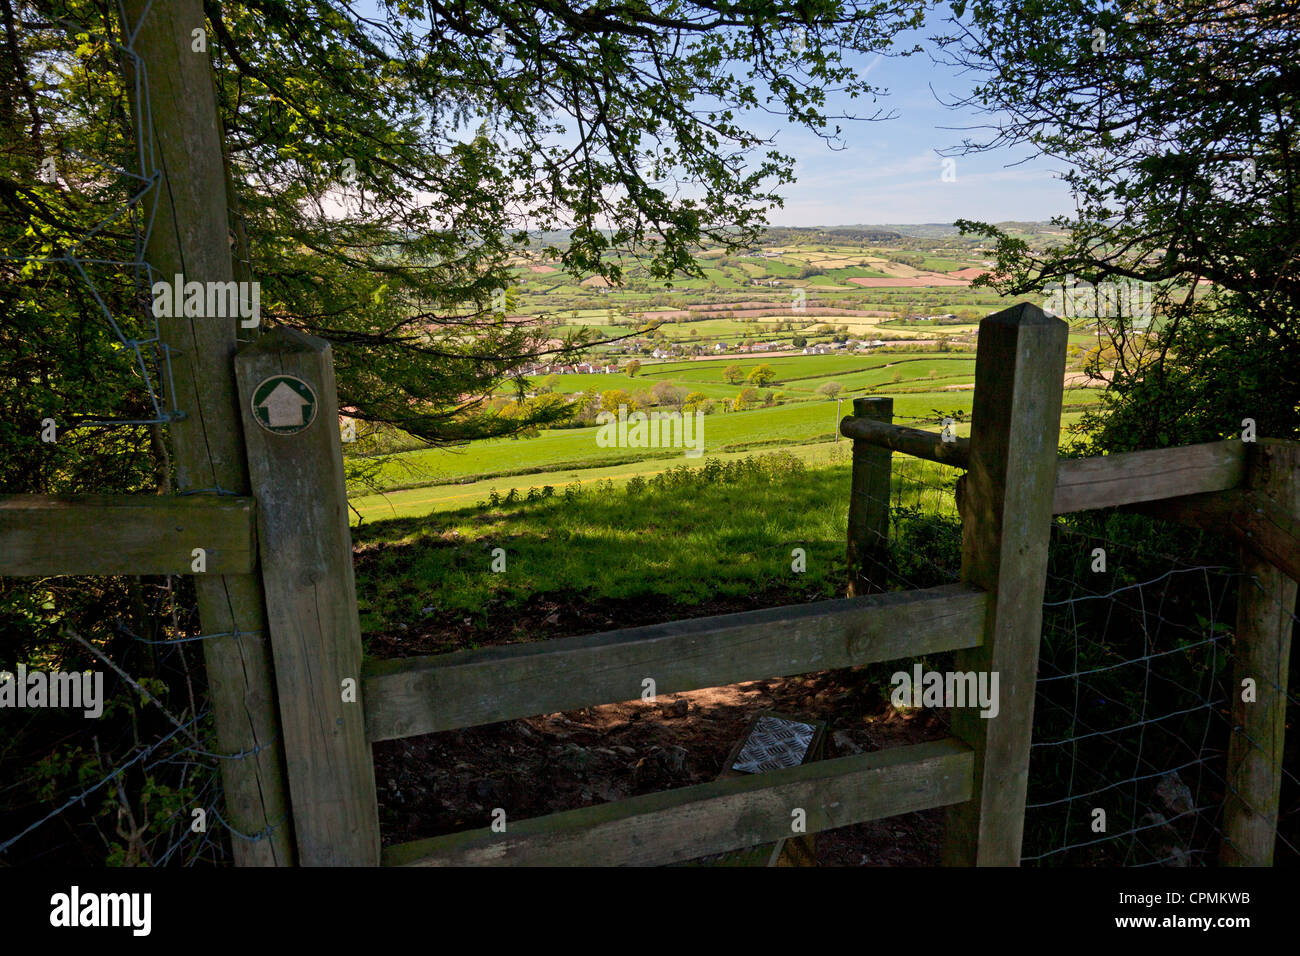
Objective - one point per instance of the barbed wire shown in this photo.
(148, 176)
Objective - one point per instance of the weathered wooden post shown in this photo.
(1006, 527)
(868, 545)
(188, 208)
(1266, 601)
(295, 458)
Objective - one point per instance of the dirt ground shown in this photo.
(441, 783)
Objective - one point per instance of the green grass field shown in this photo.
(412, 502)
(924, 385)
(724, 529)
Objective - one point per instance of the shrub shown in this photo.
(746, 399)
(666, 393)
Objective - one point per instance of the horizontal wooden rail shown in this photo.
(421, 695)
(125, 534)
(1108, 481)
(677, 825)
(910, 441)
(1246, 517)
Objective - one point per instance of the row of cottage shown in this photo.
(819, 349)
(587, 368)
(581, 368)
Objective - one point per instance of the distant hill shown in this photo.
(883, 234)
(774, 236)
(944, 230)
(786, 235)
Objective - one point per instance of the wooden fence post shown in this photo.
(188, 208)
(295, 458)
(1006, 527)
(1266, 600)
(868, 545)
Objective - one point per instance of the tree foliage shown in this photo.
(389, 167)
(1177, 120)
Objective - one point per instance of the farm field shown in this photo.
(733, 431)
(795, 375)
(819, 291)
(413, 502)
(435, 480)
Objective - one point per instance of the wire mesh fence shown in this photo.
(1133, 704)
(112, 194)
(1133, 710)
(143, 787)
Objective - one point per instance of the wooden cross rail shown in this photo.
(1104, 481)
(125, 534)
(1108, 481)
(910, 441)
(689, 822)
(420, 695)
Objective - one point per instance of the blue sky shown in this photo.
(890, 172)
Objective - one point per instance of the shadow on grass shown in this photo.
(718, 538)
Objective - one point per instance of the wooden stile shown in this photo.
(1266, 606)
(1006, 526)
(868, 546)
(306, 555)
(293, 533)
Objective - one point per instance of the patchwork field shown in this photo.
(925, 388)
(917, 294)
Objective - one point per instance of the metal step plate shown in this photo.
(773, 744)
